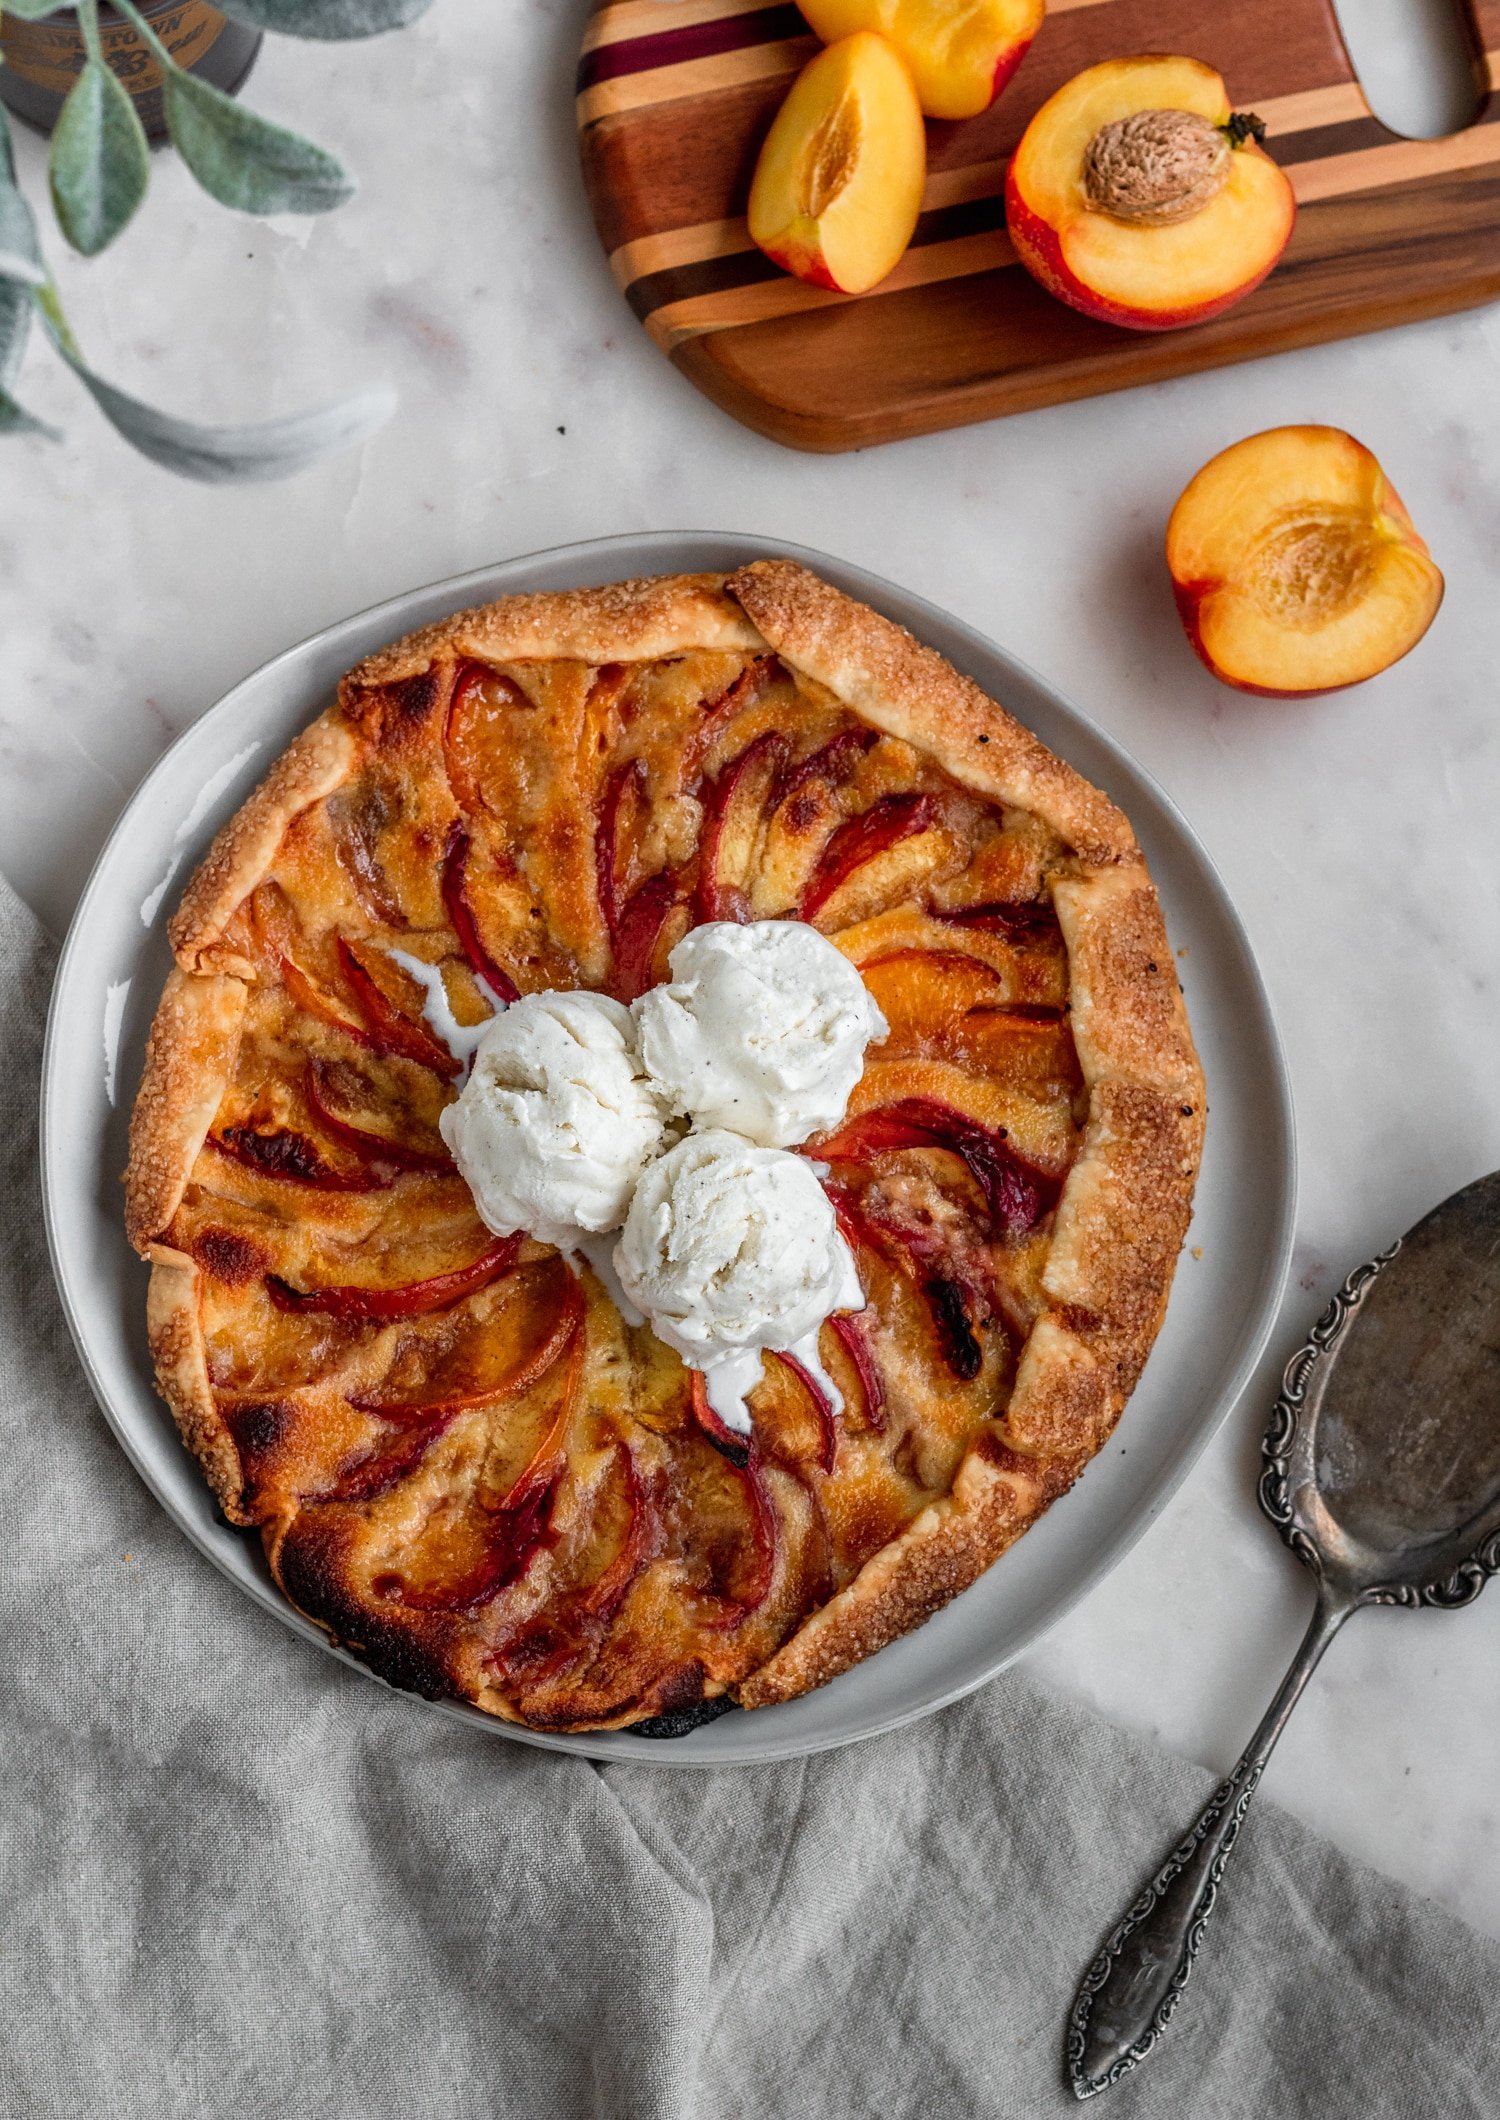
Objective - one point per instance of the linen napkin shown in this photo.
(239, 1880)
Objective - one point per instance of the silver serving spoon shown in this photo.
(1382, 1473)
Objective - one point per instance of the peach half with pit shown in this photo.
(1139, 197)
(838, 185)
(961, 52)
(1295, 565)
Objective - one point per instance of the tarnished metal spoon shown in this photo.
(1382, 1473)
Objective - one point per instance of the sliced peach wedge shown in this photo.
(838, 186)
(961, 52)
(1296, 567)
(1137, 196)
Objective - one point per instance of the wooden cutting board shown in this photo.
(675, 96)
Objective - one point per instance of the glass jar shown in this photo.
(40, 60)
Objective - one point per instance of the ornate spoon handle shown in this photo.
(1131, 1989)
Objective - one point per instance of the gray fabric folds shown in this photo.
(239, 1880)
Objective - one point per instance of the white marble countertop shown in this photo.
(1360, 834)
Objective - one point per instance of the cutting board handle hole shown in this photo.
(1417, 61)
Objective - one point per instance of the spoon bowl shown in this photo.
(1389, 1464)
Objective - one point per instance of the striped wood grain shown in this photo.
(674, 97)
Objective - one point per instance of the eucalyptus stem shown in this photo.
(88, 23)
(59, 330)
(143, 28)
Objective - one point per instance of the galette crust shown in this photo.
(189, 1060)
(633, 621)
(312, 766)
(896, 684)
(175, 1331)
(1124, 1208)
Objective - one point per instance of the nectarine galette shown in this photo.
(663, 1150)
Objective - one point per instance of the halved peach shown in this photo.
(1295, 565)
(960, 56)
(1137, 196)
(838, 186)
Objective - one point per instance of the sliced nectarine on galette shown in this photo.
(469, 1456)
(838, 186)
(1139, 197)
(960, 55)
(1295, 565)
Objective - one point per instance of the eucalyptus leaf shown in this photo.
(31, 10)
(15, 328)
(268, 449)
(16, 303)
(331, 19)
(99, 164)
(15, 419)
(245, 161)
(20, 252)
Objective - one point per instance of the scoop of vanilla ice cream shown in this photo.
(730, 1249)
(557, 1119)
(762, 1029)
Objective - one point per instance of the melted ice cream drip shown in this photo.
(729, 1383)
(461, 1039)
(600, 1253)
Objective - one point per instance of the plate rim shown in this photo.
(1105, 1553)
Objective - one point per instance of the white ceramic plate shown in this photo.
(116, 960)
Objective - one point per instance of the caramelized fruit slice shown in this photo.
(1019, 920)
(923, 993)
(851, 1330)
(391, 1028)
(284, 1154)
(831, 763)
(340, 1099)
(638, 940)
(920, 1252)
(1296, 567)
(729, 1442)
(860, 839)
(516, 1533)
(461, 919)
(498, 1356)
(316, 1001)
(1016, 1195)
(624, 789)
(362, 1305)
(731, 1533)
(505, 1539)
(608, 1591)
(838, 186)
(822, 1406)
(479, 730)
(734, 806)
(380, 1471)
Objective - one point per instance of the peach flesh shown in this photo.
(1295, 566)
(960, 57)
(838, 186)
(1149, 274)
